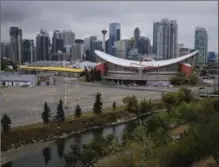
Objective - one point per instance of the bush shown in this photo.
(131, 104)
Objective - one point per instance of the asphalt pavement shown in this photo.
(25, 105)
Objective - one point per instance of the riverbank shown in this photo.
(20, 137)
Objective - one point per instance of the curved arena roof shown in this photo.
(143, 64)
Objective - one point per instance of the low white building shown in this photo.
(17, 80)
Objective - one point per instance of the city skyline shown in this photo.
(73, 15)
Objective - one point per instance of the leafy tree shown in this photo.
(186, 112)
(193, 79)
(179, 79)
(60, 111)
(46, 114)
(143, 106)
(157, 129)
(131, 104)
(97, 107)
(114, 106)
(6, 122)
(185, 95)
(77, 111)
(170, 99)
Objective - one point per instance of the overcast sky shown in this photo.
(88, 18)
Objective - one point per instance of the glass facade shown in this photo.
(114, 35)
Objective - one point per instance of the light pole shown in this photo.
(0, 35)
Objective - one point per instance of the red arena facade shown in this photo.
(129, 71)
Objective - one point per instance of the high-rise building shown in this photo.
(137, 34)
(16, 44)
(57, 42)
(166, 39)
(155, 37)
(95, 45)
(78, 51)
(122, 47)
(28, 50)
(5, 49)
(42, 45)
(87, 43)
(68, 37)
(114, 35)
(87, 47)
(143, 45)
(201, 44)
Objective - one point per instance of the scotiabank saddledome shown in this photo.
(114, 68)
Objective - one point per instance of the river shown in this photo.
(51, 156)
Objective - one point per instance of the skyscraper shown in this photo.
(57, 41)
(143, 45)
(28, 50)
(16, 44)
(42, 45)
(114, 35)
(68, 37)
(201, 44)
(155, 36)
(137, 34)
(166, 39)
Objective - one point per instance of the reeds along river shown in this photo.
(52, 156)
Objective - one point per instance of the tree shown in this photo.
(97, 107)
(46, 114)
(179, 79)
(185, 95)
(77, 111)
(98, 75)
(170, 99)
(60, 111)
(193, 79)
(114, 106)
(143, 106)
(131, 103)
(6, 122)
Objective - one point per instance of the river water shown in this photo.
(51, 156)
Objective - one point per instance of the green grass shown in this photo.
(68, 119)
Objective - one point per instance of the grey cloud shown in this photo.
(16, 12)
(88, 18)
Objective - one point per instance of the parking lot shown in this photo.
(24, 105)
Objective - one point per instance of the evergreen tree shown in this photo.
(97, 107)
(46, 114)
(77, 111)
(114, 106)
(60, 111)
(6, 122)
